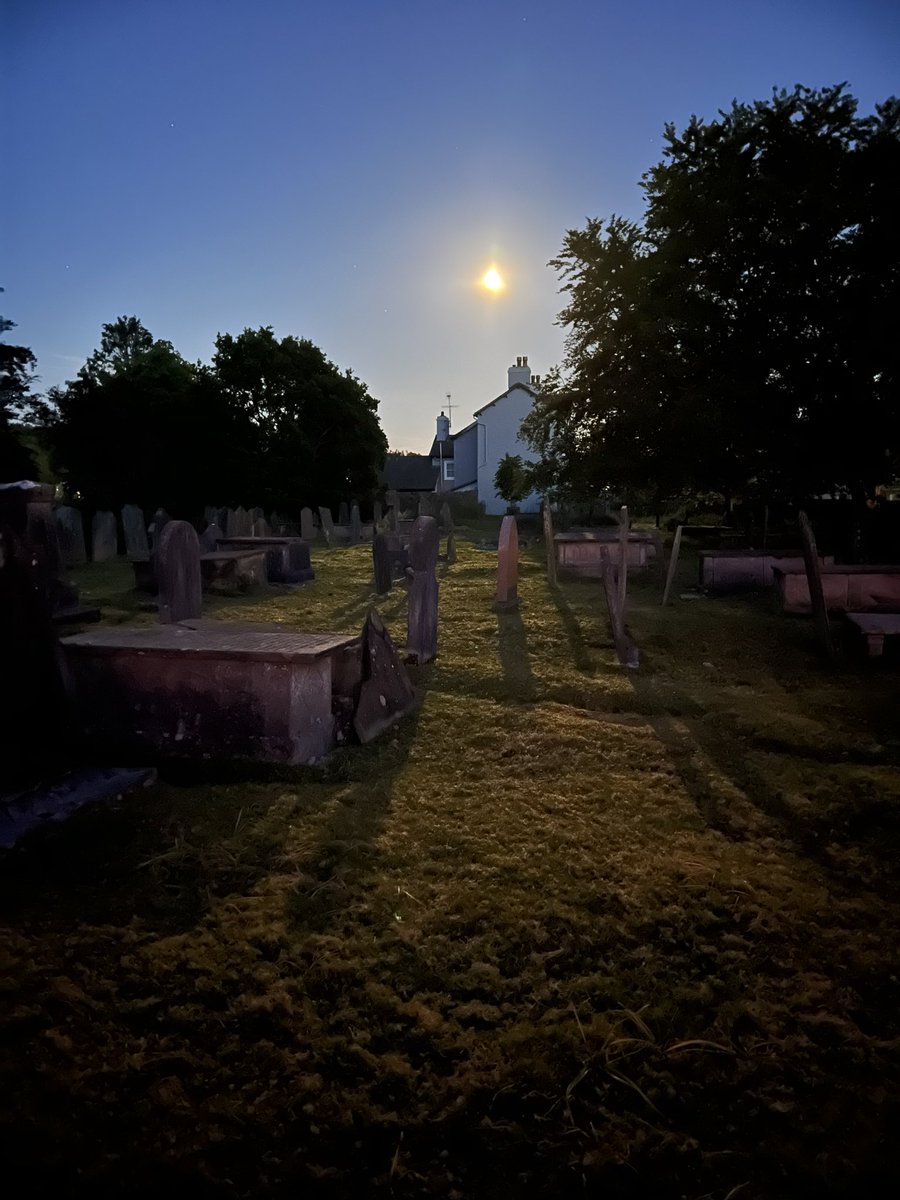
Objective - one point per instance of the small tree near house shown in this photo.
(512, 481)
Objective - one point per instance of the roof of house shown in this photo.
(409, 473)
(525, 388)
(441, 449)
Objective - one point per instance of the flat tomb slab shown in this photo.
(749, 568)
(226, 692)
(226, 571)
(587, 553)
(287, 558)
(850, 588)
(875, 627)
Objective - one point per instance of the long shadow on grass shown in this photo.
(514, 658)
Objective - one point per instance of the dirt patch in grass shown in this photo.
(568, 929)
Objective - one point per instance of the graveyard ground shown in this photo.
(568, 930)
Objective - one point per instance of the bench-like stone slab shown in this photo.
(856, 588)
(222, 691)
(875, 627)
(749, 568)
(586, 552)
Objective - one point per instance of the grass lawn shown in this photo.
(567, 930)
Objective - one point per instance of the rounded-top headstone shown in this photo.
(178, 570)
(104, 537)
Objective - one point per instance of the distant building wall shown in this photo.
(465, 458)
(498, 435)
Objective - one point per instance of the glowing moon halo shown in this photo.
(493, 280)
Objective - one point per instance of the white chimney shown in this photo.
(443, 428)
(520, 373)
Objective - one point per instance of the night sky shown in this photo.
(347, 170)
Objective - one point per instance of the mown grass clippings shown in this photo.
(564, 930)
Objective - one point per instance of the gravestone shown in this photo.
(422, 610)
(160, 520)
(343, 513)
(104, 537)
(42, 540)
(136, 543)
(446, 518)
(507, 597)
(261, 528)
(178, 572)
(386, 691)
(451, 547)
(327, 525)
(355, 525)
(377, 513)
(392, 520)
(257, 514)
(382, 563)
(210, 538)
(239, 523)
(549, 544)
(307, 525)
(71, 535)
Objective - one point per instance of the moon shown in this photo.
(493, 280)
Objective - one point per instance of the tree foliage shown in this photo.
(742, 337)
(315, 429)
(16, 376)
(512, 480)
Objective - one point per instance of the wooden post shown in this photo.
(626, 650)
(814, 579)
(623, 559)
(549, 544)
(673, 564)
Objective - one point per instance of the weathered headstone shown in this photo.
(376, 512)
(446, 518)
(386, 691)
(327, 525)
(160, 520)
(392, 519)
(71, 535)
(104, 537)
(673, 564)
(422, 611)
(307, 525)
(210, 538)
(549, 544)
(136, 543)
(261, 528)
(507, 597)
(355, 525)
(239, 523)
(451, 547)
(178, 572)
(382, 561)
(343, 513)
(257, 514)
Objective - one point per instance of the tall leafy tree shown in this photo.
(740, 338)
(17, 365)
(316, 438)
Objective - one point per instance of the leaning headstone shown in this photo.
(210, 538)
(178, 571)
(382, 561)
(376, 513)
(136, 543)
(422, 611)
(451, 547)
(386, 691)
(104, 537)
(549, 543)
(343, 513)
(327, 525)
(307, 525)
(507, 597)
(446, 517)
(355, 525)
(71, 535)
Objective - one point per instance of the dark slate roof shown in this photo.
(409, 473)
(437, 452)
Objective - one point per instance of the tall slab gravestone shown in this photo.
(507, 597)
(382, 561)
(104, 537)
(160, 520)
(70, 526)
(446, 518)
(549, 543)
(178, 570)
(136, 543)
(327, 525)
(355, 525)
(307, 525)
(343, 513)
(422, 610)
(210, 538)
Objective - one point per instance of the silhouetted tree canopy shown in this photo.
(744, 336)
(16, 376)
(316, 435)
(512, 481)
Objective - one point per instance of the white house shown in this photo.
(468, 461)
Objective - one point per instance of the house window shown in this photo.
(449, 469)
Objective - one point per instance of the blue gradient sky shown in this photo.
(345, 171)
